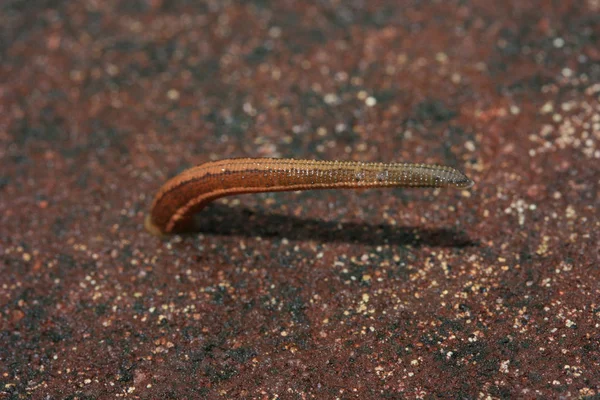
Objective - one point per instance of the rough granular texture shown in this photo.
(487, 293)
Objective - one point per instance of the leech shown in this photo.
(187, 193)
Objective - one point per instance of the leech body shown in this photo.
(187, 193)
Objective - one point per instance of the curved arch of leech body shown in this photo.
(274, 164)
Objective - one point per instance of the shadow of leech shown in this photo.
(220, 219)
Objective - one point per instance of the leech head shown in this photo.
(460, 181)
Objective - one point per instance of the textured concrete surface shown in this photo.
(488, 293)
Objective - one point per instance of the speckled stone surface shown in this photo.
(487, 293)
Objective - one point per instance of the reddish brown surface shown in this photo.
(380, 294)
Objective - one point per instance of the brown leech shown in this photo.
(187, 193)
